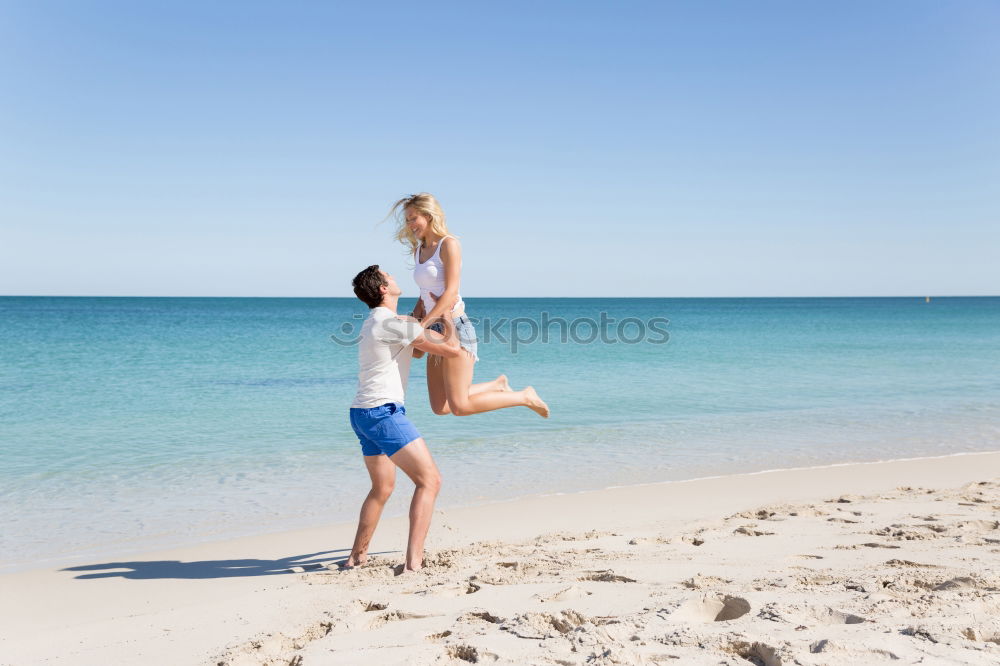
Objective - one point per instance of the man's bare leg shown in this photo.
(383, 476)
(416, 461)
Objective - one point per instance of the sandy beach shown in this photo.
(861, 563)
(654, 333)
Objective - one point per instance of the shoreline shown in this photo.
(59, 561)
(214, 601)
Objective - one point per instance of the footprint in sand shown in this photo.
(986, 634)
(540, 626)
(395, 616)
(760, 514)
(699, 582)
(712, 608)
(445, 590)
(471, 654)
(607, 576)
(638, 541)
(852, 653)
(828, 616)
(565, 594)
(845, 499)
(908, 563)
(900, 533)
(957, 584)
(482, 615)
(275, 647)
(808, 512)
(755, 652)
(816, 580)
(511, 573)
(869, 544)
(569, 536)
(438, 636)
(749, 530)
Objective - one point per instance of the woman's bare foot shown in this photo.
(502, 383)
(533, 402)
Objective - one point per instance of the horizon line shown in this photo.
(917, 296)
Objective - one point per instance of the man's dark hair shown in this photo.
(367, 284)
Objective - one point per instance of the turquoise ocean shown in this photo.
(129, 424)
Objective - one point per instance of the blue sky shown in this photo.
(579, 149)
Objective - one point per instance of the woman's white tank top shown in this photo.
(429, 276)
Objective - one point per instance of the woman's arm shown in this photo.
(451, 257)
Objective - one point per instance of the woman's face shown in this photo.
(417, 222)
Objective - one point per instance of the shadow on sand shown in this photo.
(158, 569)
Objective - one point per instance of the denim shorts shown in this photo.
(383, 429)
(466, 335)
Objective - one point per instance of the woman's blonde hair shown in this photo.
(426, 205)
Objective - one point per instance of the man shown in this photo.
(388, 439)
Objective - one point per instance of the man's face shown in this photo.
(391, 288)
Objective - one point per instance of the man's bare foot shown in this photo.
(503, 384)
(401, 569)
(352, 562)
(533, 402)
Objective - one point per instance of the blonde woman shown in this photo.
(437, 257)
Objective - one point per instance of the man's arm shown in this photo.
(433, 342)
(418, 314)
(418, 310)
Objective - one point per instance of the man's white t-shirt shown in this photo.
(384, 356)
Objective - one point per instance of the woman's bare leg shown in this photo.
(498, 384)
(435, 385)
(457, 376)
(436, 388)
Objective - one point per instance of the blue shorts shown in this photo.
(383, 429)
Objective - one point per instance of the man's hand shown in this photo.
(435, 343)
(418, 309)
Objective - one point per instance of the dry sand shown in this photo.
(855, 564)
